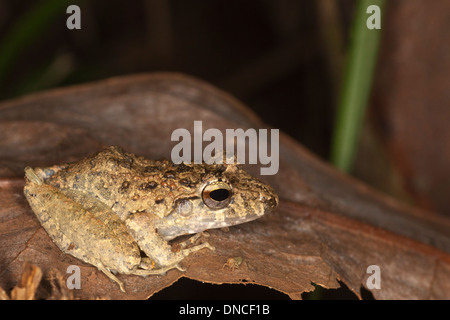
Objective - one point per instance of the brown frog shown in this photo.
(107, 208)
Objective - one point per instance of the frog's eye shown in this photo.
(217, 195)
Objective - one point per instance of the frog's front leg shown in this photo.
(142, 228)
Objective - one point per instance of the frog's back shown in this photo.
(126, 183)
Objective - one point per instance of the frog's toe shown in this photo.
(111, 276)
(161, 271)
(192, 240)
(180, 268)
(199, 247)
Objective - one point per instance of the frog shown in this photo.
(120, 212)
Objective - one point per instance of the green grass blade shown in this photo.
(361, 61)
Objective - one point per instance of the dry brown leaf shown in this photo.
(3, 294)
(328, 226)
(59, 288)
(28, 285)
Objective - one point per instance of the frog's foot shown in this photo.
(147, 265)
(160, 271)
(180, 255)
(188, 251)
(110, 275)
(138, 272)
(193, 239)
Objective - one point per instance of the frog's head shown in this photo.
(225, 195)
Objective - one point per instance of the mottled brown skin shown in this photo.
(107, 207)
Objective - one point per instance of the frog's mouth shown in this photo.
(191, 215)
(172, 229)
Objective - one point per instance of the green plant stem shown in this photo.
(361, 61)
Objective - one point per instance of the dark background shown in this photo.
(270, 54)
(284, 59)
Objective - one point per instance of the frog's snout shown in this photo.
(270, 203)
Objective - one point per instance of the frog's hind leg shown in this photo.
(65, 245)
(80, 254)
(86, 232)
